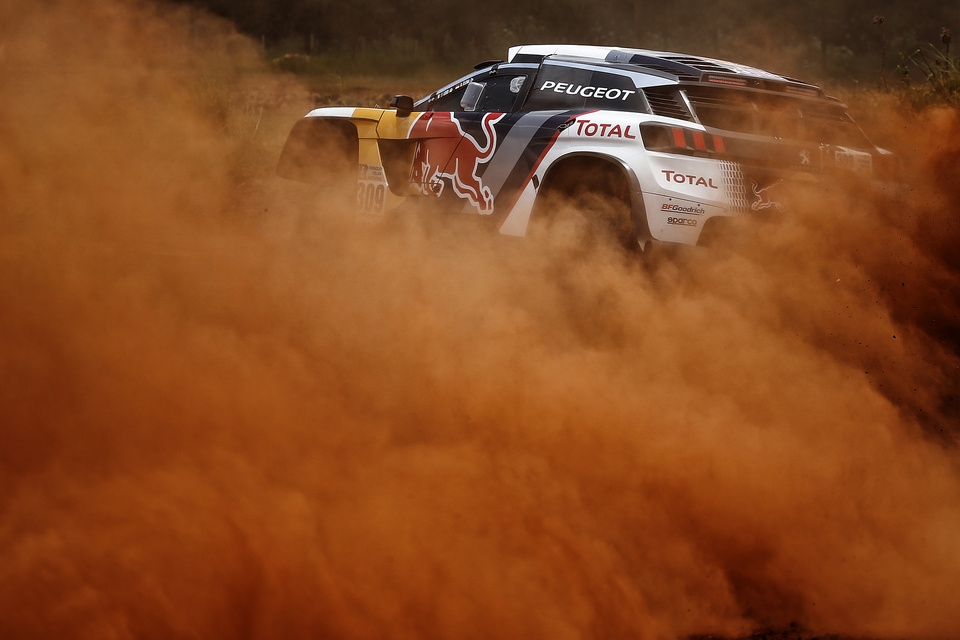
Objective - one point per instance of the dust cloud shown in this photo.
(229, 411)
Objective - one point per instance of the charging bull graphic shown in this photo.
(773, 196)
(448, 153)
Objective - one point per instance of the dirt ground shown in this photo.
(231, 411)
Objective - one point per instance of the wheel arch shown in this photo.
(315, 142)
(606, 162)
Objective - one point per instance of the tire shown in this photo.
(585, 200)
(323, 153)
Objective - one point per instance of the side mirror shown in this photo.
(403, 105)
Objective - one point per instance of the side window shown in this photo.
(563, 87)
(500, 93)
(449, 102)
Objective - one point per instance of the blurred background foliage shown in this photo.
(267, 62)
(840, 40)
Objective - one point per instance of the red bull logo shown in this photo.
(449, 155)
(772, 196)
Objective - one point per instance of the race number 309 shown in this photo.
(371, 189)
(371, 196)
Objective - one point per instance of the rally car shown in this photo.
(679, 144)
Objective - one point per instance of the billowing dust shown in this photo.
(229, 411)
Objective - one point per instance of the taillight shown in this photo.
(658, 137)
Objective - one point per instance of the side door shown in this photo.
(460, 133)
(572, 108)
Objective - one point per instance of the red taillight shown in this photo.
(658, 137)
(698, 142)
(679, 140)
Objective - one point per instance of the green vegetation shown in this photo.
(824, 40)
(255, 88)
(940, 76)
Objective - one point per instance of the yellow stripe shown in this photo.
(393, 128)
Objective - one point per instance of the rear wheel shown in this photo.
(587, 201)
(323, 153)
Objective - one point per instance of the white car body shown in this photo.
(694, 140)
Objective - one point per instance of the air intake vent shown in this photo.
(664, 101)
(716, 97)
(675, 71)
(699, 63)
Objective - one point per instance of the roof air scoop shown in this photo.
(679, 69)
(618, 55)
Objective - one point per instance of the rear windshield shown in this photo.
(777, 116)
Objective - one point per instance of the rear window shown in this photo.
(566, 87)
